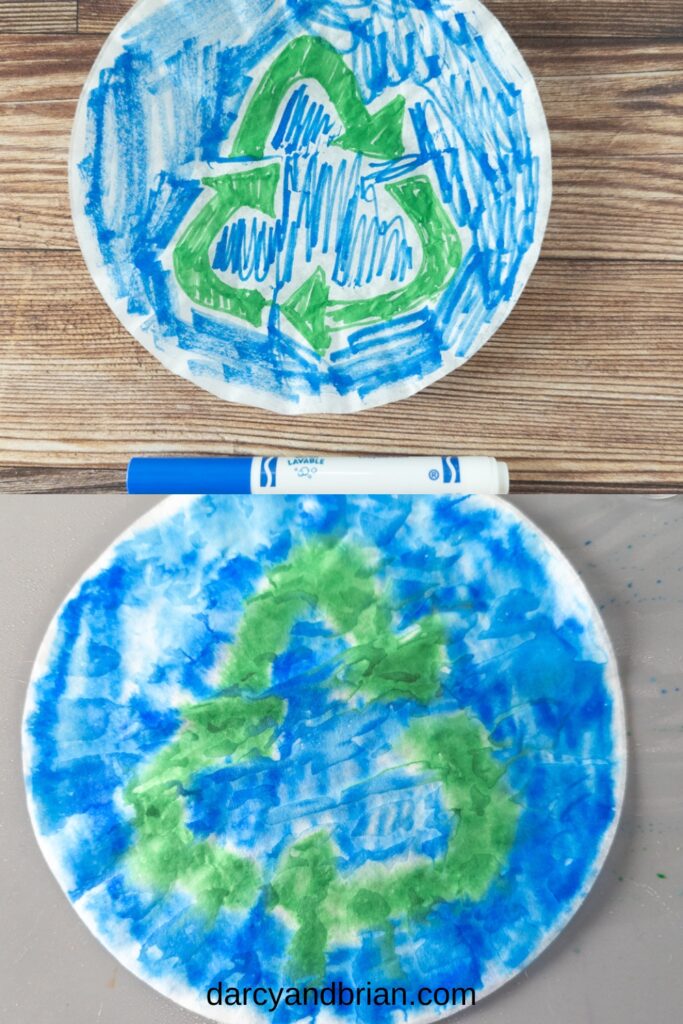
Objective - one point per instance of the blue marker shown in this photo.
(312, 474)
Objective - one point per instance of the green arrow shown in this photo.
(441, 257)
(310, 310)
(305, 309)
(378, 135)
(254, 189)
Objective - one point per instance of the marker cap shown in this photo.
(189, 476)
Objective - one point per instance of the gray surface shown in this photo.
(618, 962)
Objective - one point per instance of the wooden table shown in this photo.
(582, 389)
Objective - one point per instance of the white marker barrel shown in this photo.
(429, 474)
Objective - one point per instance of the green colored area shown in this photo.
(457, 751)
(315, 315)
(191, 261)
(302, 887)
(338, 581)
(166, 853)
(441, 257)
(240, 724)
(309, 309)
(377, 135)
(306, 310)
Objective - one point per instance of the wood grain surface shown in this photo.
(582, 388)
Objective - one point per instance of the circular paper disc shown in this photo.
(310, 207)
(296, 742)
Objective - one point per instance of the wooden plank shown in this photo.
(609, 19)
(101, 15)
(616, 207)
(586, 58)
(637, 114)
(583, 387)
(46, 480)
(38, 16)
(34, 201)
(44, 67)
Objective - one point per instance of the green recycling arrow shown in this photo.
(310, 309)
(314, 315)
(378, 135)
(254, 189)
(441, 257)
(306, 310)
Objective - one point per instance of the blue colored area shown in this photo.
(148, 633)
(330, 211)
(373, 816)
(165, 114)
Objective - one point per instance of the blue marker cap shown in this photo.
(189, 476)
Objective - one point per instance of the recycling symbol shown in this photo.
(324, 905)
(311, 308)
